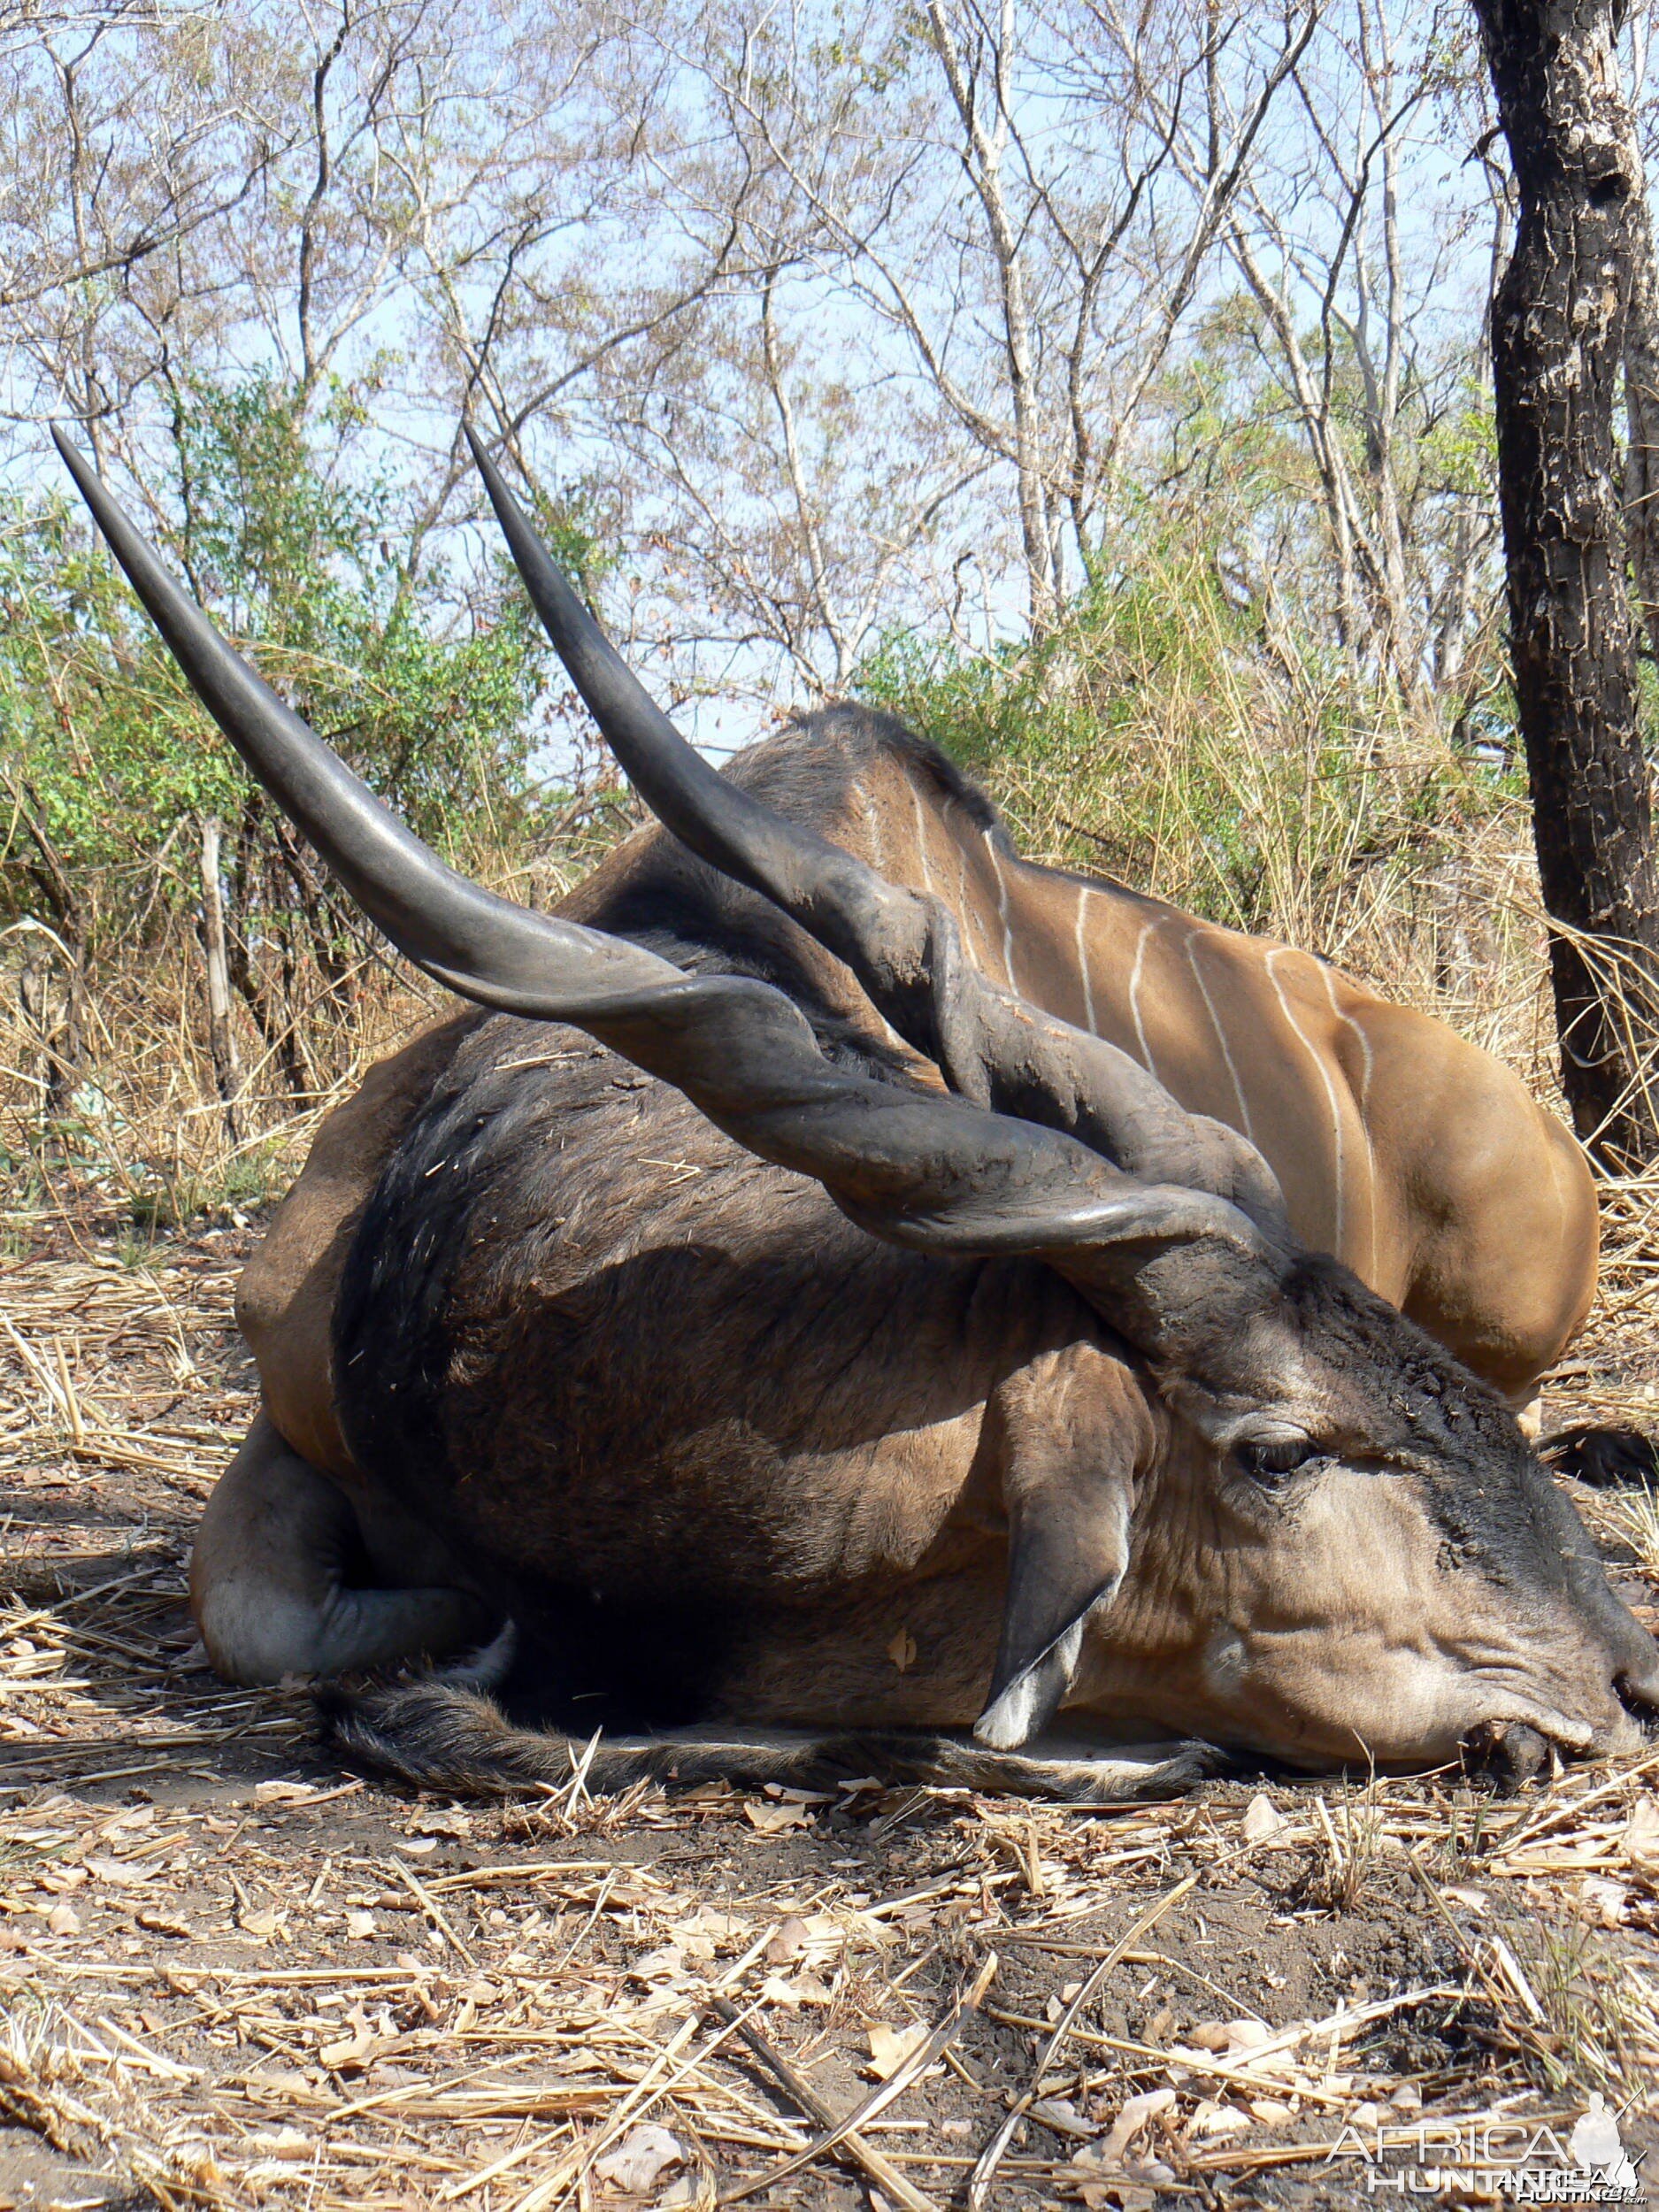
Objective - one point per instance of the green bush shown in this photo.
(432, 699)
(1156, 735)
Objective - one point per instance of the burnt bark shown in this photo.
(1641, 431)
(1558, 330)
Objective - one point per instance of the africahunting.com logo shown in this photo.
(1487, 2157)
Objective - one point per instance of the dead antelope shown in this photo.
(853, 1283)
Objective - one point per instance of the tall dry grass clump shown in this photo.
(1159, 738)
(138, 1131)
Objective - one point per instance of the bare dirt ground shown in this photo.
(232, 1974)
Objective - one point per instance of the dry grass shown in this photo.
(238, 1978)
(144, 1134)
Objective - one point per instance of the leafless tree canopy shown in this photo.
(842, 322)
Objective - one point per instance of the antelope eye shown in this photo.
(1268, 1460)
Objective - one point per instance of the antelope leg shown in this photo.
(271, 1577)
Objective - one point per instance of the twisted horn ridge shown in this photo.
(905, 1164)
(992, 1045)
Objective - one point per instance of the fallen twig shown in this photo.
(885, 2175)
(912, 2069)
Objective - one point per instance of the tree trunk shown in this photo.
(61, 1027)
(274, 1010)
(221, 1042)
(1641, 431)
(1558, 330)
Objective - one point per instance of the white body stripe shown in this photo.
(1281, 952)
(873, 826)
(1149, 930)
(1082, 959)
(1193, 936)
(1348, 1022)
(967, 914)
(1002, 909)
(921, 840)
(1367, 1064)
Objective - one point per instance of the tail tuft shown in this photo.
(448, 1736)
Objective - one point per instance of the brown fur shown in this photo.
(684, 1380)
(719, 1452)
(285, 1301)
(724, 1456)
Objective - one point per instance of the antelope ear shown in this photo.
(1070, 1501)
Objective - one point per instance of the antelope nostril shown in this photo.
(1505, 1754)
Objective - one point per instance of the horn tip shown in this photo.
(90, 485)
(487, 468)
(500, 498)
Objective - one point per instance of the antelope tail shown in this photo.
(449, 1736)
